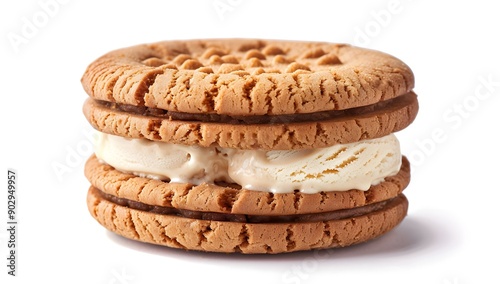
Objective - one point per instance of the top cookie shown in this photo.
(246, 77)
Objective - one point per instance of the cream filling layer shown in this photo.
(357, 165)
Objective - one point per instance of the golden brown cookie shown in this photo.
(227, 219)
(251, 238)
(281, 94)
(247, 77)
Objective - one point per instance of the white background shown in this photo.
(449, 236)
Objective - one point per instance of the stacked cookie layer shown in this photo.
(248, 146)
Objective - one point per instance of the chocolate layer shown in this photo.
(255, 119)
(316, 217)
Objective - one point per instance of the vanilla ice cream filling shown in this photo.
(357, 165)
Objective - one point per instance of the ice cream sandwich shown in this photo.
(249, 146)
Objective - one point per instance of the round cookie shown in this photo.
(224, 219)
(247, 77)
(250, 95)
(251, 238)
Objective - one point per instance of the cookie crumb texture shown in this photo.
(217, 236)
(247, 77)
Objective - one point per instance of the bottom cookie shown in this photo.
(243, 237)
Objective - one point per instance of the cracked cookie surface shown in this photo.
(247, 77)
(250, 238)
